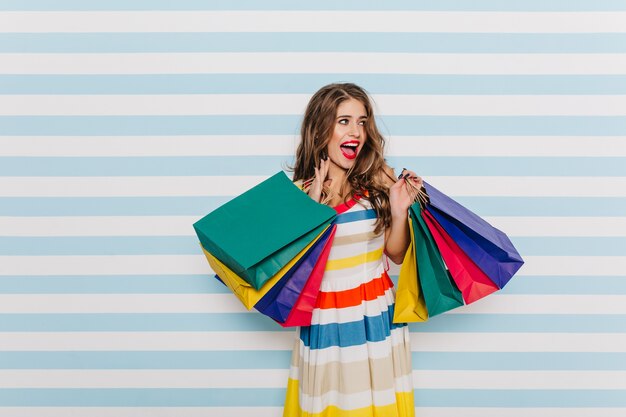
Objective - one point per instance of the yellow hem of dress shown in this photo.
(404, 406)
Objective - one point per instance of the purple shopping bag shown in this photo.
(487, 246)
(278, 302)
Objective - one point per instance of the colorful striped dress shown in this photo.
(352, 361)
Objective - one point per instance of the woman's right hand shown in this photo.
(315, 191)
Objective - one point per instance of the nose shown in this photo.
(356, 130)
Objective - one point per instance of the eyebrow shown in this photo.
(348, 116)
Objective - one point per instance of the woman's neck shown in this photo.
(337, 183)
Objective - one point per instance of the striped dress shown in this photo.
(352, 361)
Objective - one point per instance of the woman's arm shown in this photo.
(397, 234)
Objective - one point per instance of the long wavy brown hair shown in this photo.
(369, 173)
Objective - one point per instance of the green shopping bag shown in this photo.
(440, 292)
(257, 233)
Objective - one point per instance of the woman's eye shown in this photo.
(343, 121)
(362, 123)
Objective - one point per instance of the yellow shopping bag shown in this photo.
(410, 305)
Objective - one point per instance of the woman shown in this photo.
(353, 360)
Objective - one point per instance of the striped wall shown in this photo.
(123, 122)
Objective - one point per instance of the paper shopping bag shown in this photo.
(440, 291)
(469, 278)
(410, 305)
(247, 294)
(257, 233)
(302, 311)
(488, 247)
(279, 301)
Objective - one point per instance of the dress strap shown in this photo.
(341, 208)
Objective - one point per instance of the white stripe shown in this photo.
(126, 186)
(284, 340)
(146, 341)
(311, 21)
(277, 378)
(453, 186)
(285, 145)
(560, 226)
(494, 380)
(573, 265)
(98, 226)
(552, 146)
(546, 304)
(295, 104)
(518, 342)
(322, 62)
(104, 265)
(278, 411)
(182, 226)
(144, 378)
(192, 145)
(120, 303)
(197, 264)
(227, 303)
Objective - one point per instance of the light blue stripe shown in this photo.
(275, 397)
(580, 285)
(554, 43)
(246, 359)
(111, 284)
(206, 284)
(268, 165)
(309, 83)
(218, 322)
(554, 323)
(188, 245)
(520, 398)
(101, 245)
(112, 206)
(142, 397)
(280, 359)
(289, 125)
(200, 206)
(452, 5)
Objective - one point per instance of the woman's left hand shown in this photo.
(400, 197)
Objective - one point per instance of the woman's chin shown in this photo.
(343, 162)
(347, 164)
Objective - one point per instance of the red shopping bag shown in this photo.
(469, 278)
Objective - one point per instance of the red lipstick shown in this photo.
(349, 149)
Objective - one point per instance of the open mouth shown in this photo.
(349, 149)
